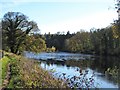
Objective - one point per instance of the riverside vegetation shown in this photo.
(27, 74)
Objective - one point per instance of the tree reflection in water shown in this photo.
(99, 64)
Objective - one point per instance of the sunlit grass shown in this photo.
(4, 62)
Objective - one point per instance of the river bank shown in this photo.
(31, 73)
(26, 73)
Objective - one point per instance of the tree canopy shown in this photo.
(15, 27)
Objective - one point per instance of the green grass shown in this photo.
(4, 61)
(15, 74)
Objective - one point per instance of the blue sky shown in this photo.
(60, 16)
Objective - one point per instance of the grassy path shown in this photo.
(5, 71)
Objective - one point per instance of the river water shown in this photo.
(69, 63)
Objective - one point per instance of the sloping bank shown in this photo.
(26, 73)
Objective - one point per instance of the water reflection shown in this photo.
(68, 63)
(100, 80)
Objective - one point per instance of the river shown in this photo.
(69, 63)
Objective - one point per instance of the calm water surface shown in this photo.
(62, 62)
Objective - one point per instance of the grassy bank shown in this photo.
(4, 61)
(27, 74)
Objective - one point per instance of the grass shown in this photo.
(4, 61)
(27, 74)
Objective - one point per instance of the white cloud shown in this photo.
(97, 20)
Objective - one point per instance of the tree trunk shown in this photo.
(12, 49)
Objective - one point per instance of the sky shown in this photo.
(64, 15)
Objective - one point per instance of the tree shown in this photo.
(15, 27)
(80, 42)
(34, 43)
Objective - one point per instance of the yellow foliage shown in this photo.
(115, 32)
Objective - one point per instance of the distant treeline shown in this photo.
(105, 41)
(20, 34)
